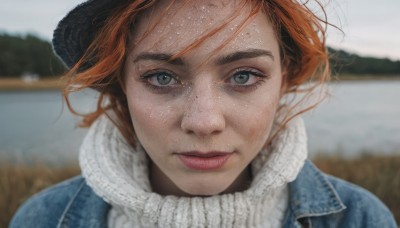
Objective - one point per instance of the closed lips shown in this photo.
(204, 161)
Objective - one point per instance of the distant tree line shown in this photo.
(346, 63)
(29, 54)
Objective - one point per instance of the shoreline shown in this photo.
(346, 78)
(15, 84)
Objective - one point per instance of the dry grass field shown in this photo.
(380, 175)
(19, 182)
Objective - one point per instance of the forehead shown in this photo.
(173, 26)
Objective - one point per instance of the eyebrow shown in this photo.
(159, 57)
(248, 54)
(251, 53)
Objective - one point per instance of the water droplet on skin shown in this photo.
(164, 116)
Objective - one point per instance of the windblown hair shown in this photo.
(299, 31)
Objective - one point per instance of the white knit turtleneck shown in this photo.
(119, 174)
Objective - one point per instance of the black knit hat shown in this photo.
(76, 31)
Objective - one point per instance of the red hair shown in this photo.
(299, 31)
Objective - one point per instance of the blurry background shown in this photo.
(354, 134)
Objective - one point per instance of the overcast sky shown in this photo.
(370, 27)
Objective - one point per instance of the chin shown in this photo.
(204, 191)
(213, 183)
(203, 187)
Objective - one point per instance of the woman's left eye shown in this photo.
(241, 77)
(246, 78)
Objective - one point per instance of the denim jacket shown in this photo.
(316, 200)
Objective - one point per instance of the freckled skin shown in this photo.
(203, 113)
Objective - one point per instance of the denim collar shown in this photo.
(85, 209)
(311, 195)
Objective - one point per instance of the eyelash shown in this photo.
(260, 79)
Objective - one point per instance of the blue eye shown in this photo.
(241, 77)
(246, 79)
(164, 79)
(159, 79)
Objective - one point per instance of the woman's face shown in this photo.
(203, 117)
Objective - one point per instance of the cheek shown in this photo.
(255, 119)
(150, 117)
(261, 121)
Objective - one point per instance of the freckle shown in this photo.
(151, 115)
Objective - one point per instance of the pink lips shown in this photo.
(204, 161)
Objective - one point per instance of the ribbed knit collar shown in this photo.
(119, 174)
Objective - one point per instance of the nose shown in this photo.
(203, 115)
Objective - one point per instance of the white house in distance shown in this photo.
(29, 77)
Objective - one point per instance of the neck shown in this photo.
(162, 185)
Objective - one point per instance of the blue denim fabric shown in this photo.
(316, 200)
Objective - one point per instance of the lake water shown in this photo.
(359, 116)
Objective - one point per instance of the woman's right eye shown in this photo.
(159, 79)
